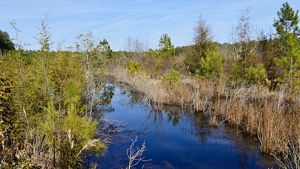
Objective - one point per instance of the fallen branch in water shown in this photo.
(135, 155)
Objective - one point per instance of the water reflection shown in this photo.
(105, 96)
(175, 137)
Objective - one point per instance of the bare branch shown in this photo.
(135, 155)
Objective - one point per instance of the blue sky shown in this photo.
(146, 20)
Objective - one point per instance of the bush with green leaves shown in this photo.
(153, 53)
(70, 136)
(47, 95)
(10, 125)
(6, 43)
(256, 75)
(133, 66)
(211, 65)
(172, 77)
(203, 58)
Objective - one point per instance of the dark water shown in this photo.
(174, 138)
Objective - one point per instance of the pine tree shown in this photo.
(165, 46)
(6, 43)
(204, 58)
(246, 70)
(288, 33)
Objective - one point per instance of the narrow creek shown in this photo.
(174, 138)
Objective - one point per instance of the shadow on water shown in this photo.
(175, 137)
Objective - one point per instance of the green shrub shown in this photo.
(43, 96)
(172, 76)
(211, 65)
(133, 67)
(250, 75)
(153, 53)
(256, 74)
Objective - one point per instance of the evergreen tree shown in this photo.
(165, 46)
(287, 21)
(288, 33)
(246, 69)
(105, 48)
(44, 35)
(202, 37)
(204, 58)
(212, 64)
(6, 43)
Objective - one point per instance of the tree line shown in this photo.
(271, 60)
